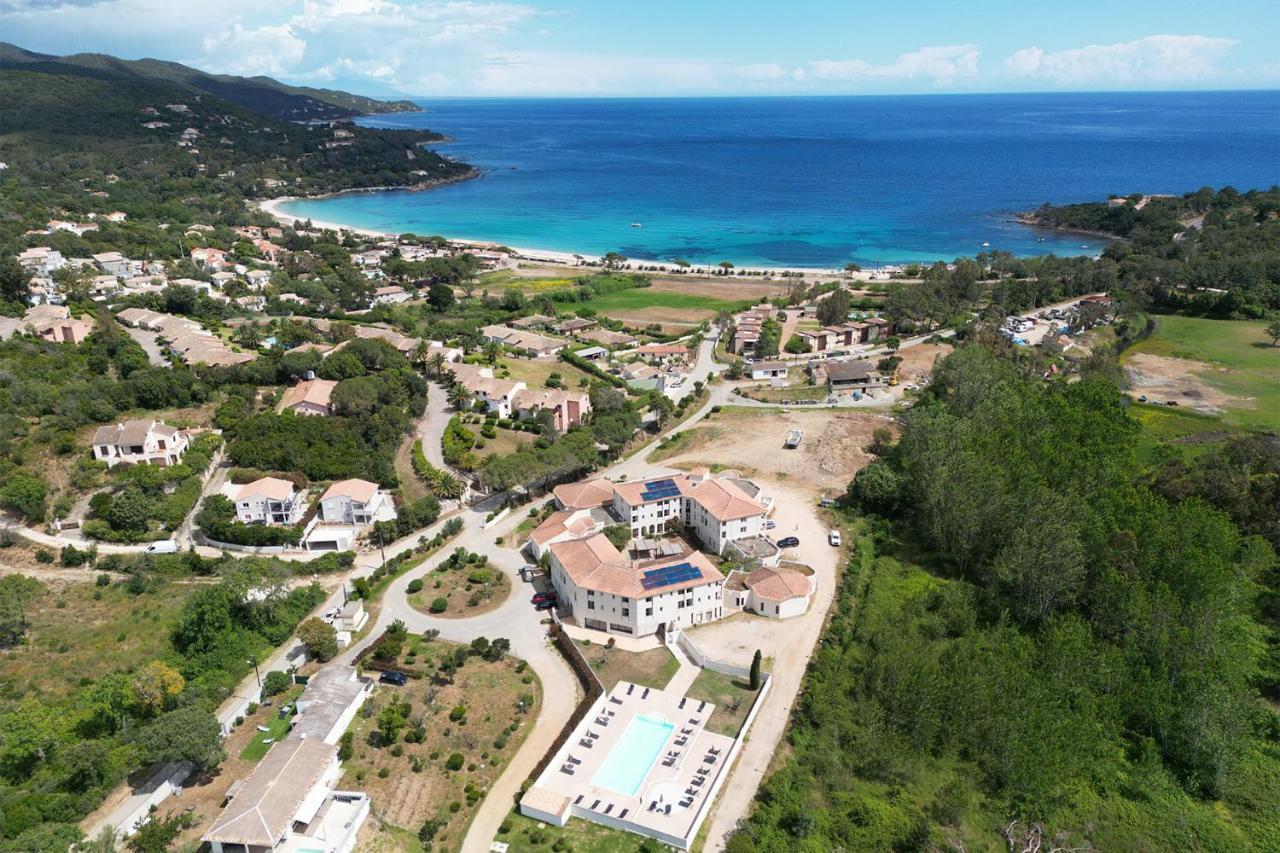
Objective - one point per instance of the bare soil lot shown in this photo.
(917, 361)
(1165, 378)
(750, 440)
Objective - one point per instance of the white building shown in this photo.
(779, 593)
(715, 511)
(138, 442)
(357, 502)
(498, 395)
(289, 804)
(605, 591)
(269, 500)
(390, 295)
(309, 397)
(768, 370)
(113, 263)
(41, 260)
(329, 703)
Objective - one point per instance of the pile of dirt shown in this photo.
(1163, 379)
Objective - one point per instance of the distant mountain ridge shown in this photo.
(260, 94)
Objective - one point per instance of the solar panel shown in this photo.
(670, 575)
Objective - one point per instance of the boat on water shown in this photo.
(637, 224)
(985, 244)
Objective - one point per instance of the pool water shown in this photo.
(629, 761)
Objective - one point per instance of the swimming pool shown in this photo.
(629, 761)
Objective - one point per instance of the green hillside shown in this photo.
(260, 94)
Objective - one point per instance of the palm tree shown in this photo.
(492, 351)
(458, 397)
(436, 365)
(421, 354)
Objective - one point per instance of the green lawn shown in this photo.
(1252, 365)
(732, 697)
(262, 741)
(639, 298)
(1162, 425)
(653, 668)
(526, 835)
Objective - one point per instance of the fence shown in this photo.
(592, 690)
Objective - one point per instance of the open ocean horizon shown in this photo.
(811, 181)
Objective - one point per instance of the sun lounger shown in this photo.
(684, 804)
(683, 699)
(567, 769)
(585, 742)
(573, 760)
(701, 705)
(608, 808)
(594, 805)
(687, 731)
(645, 694)
(615, 700)
(630, 687)
(623, 813)
(579, 799)
(668, 762)
(667, 810)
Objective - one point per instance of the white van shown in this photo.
(164, 546)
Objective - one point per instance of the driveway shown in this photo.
(515, 620)
(147, 340)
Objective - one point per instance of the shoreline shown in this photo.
(271, 207)
(1030, 221)
(575, 260)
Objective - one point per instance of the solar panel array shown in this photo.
(670, 575)
(655, 490)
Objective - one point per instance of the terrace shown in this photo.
(642, 760)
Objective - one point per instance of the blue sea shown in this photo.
(813, 182)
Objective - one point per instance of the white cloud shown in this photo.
(941, 64)
(1154, 59)
(265, 50)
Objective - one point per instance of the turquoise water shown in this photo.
(630, 759)
(813, 182)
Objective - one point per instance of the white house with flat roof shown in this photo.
(329, 703)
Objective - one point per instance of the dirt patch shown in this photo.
(917, 362)
(1163, 379)
(676, 317)
(826, 460)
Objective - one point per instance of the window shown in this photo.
(626, 611)
(648, 611)
(591, 605)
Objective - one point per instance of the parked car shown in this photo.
(789, 542)
(545, 605)
(827, 503)
(834, 538)
(164, 546)
(769, 525)
(399, 679)
(541, 597)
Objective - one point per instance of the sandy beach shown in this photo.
(569, 259)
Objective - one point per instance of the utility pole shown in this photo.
(256, 674)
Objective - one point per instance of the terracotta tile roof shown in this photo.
(263, 810)
(778, 584)
(723, 499)
(272, 488)
(584, 495)
(358, 490)
(593, 563)
(317, 392)
(131, 433)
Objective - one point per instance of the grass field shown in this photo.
(653, 668)
(640, 298)
(1249, 365)
(276, 730)
(526, 835)
(732, 697)
(1161, 425)
(81, 632)
(534, 372)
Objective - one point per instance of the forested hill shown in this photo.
(260, 94)
(78, 140)
(1210, 252)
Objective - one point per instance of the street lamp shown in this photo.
(257, 674)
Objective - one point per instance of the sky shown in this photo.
(513, 48)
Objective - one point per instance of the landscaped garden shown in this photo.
(463, 585)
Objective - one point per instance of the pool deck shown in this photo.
(675, 795)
